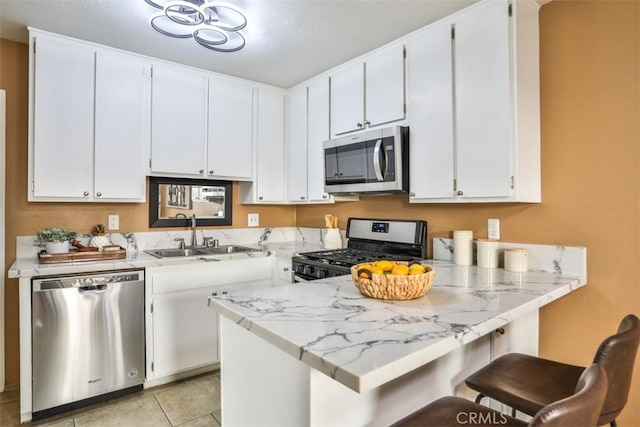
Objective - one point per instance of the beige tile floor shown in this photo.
(194, 402)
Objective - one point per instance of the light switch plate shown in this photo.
(253, 219)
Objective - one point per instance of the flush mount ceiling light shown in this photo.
(213, 25)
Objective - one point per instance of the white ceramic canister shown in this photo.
(516, 259)
(487, 253)
(463, 247)
(333, 239)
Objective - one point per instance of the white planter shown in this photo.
(57, 247)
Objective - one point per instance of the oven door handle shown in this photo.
(298, 279)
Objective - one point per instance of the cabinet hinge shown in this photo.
(455, 185)
(151, 71)
(453, 32)
(151, 308)
(510, 10)
(404, 51)
(34, 46)
(149, 162)
(152, 367)
(512, 182)
(33, 186)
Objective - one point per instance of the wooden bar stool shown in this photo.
(581, 408)
(528, 383)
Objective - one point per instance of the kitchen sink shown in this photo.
(227, 249)
(200, 251)
(171, 253)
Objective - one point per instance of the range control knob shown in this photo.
(322, 274)
(307, 270)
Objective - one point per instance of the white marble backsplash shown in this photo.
(142, 241)
(565, 260)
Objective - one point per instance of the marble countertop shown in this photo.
(30, 267)
(364, 343)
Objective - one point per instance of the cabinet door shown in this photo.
(297, 145)
(185, 331)
(270, 161)
(317, 133)
(230, 129)
(178, 121)
(122, 117)
(63, 119)
(483, 166)
(384, 97)
(430, 99)
(347, 99)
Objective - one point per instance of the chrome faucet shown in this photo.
(194, 239)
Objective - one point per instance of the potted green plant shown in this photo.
(55, 240)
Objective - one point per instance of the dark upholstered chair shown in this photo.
(527, 383)
(582, 409)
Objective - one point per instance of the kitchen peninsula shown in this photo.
(322, 354)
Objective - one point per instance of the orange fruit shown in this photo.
(400, 270)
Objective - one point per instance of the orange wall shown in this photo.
(590, 83)
(590, 102)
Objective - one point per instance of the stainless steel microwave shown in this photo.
(372, 162)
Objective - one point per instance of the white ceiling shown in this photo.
(288, 41)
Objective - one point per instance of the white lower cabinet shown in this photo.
(181, 330)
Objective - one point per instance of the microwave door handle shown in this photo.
(376, 160)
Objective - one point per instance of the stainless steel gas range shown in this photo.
(368, 240)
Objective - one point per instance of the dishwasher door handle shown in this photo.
(94, 289)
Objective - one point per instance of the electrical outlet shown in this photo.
(494, 229)
(253, 219)
(114, 222)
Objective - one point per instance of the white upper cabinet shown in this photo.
(368, 92)
(178, 121)
(297, 144)
(317, 133)
(87, 122)
(122, 125)
(229, 151)
(473, 100)
(482, 82)
(430, 106)
(269, 182)
(308, 128)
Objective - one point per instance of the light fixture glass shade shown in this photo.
(213, 25)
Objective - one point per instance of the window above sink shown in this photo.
(172, 201)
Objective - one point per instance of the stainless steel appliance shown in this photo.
(372, 162)
(368, 240)
(88, 339)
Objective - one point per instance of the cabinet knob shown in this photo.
(367, 122)
(214, 294)
(224, 292)
(259, 197)
(500, 331)
(324, 196)
(211, 172)
(98, 194)
(86, 193)
(359, 124)
(201, 170)
(301, 197)
(460, 193)
(412, 194)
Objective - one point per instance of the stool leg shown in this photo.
(480, 396)
(613, 423)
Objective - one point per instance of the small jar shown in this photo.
(487, 251)
(516, 259)
(463, 247)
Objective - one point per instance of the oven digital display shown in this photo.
(380, 227)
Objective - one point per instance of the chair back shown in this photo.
(581, 408)
(617, 355)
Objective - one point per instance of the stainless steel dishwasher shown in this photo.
(88, 339)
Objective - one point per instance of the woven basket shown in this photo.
(390, 287)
